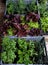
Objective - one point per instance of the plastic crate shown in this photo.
(41, 46)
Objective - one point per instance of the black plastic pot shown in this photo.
(37, 39)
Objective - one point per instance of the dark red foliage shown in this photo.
(15, 32)
(35, 32)
(16, 19)
(17, 26)
(19, 29)
(25, 26)
(9, 17)
(33, 16)
(21, 33)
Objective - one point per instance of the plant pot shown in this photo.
(2, 8)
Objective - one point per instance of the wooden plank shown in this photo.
(46, 37)
(46, 41)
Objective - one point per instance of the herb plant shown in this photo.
(32, 6)
(8, 48)
(10, 7)
(33, 24)
(20, 7)
(26, 49)
(42, 9)
(25, 52)
(17, 7)
(42, 1)
(44, 22)
(20, 25)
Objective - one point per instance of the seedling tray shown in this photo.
(34, 38)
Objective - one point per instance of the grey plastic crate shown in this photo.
(34, 38)
(26, 1)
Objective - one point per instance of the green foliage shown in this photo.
(44, 22)
(33, 24)
(20, 7)
(27, 51)
(32, 7)
(10, 31)
(42, 1)
(11, 7)
(16, 7)
(8, 57)
(42, 9)
(8, 46)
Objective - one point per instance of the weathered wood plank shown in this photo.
(46, 37)
(2, 8)
(46, 41)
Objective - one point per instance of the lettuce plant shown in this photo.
(21, 51)
(32, 6)
(8, 48)
(25, 51)
(44, 23)
(10, 7)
